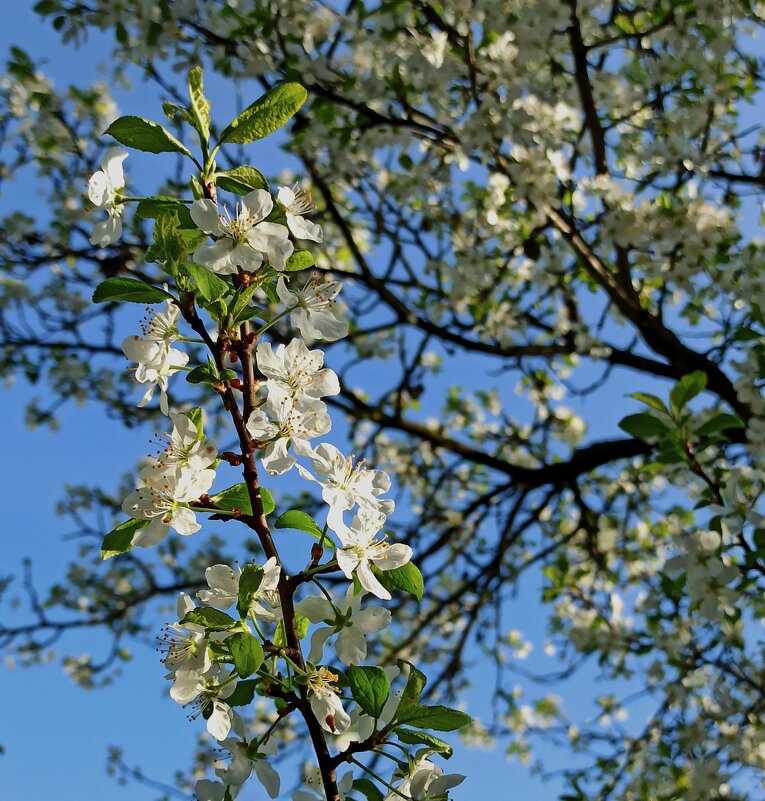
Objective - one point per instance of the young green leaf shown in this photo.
(406, 578)
(210, 286)
(211, 618)
(300, 521)
(370, 688)
(412, 737)
(236, 497)
(141, 134)
(368, 789)
(438, 718)
(687, 388)
(415, 684)
(641, 426)
(129, 290)
(720, 422)
(119, 540)
(266, 114)
(241, 180)
(650, 400)
(247, 653)
(200, 105)
(243, 694)
(299, 260)
(249, 583)
(301, 625)
(149, 208)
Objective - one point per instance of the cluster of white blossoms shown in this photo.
(157, 360)
(181, 473)
(242, 634)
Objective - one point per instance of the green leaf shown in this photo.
(243, 694)
(242, 300)
(203, 374)
(650, 400)
(406, 578)
(370, 688)
(211, 618)
(200, 105)
(411, 737)
(151, 207)
(720, 422)
(301, 624)
(300, 521)
(176, 113)
(368, 788)
(130, 290)
(236, 497)
(686, 389)
(209, 285)
(438, 718)
(415, 684)
(119, 540)
(247, 653)
(241, 180)
(266, 114)
(642, 425)
(249, 583)
(268, 501)
(299, 260)
(141, 134)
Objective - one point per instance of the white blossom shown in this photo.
(223, 592)
(364, 547)
(311, 308)
(424, 781)
(297, 203)
(103, 188)
(164, 504)
(157, 360)
(184, 451)
(323, 696)
(296, 373)
(287, 423)
(204, 690)
(185, 644)
(345, 482)
(242, 240)
(350, 645)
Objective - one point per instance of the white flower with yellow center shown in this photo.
(103, 191)
(297, 203)
(165, 505)
(157, 360)
(345, 483)
(296, 373)
(352, 625)
(323, 696)
(287, 423)
(184, 451)
(205, 690)
(242, 240)
(311, 308)
(364, 546)
(185, 645)
(424, 781)
(223, 582)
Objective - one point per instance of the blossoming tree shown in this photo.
(536, 209)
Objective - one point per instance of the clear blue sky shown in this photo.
(54, 733)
